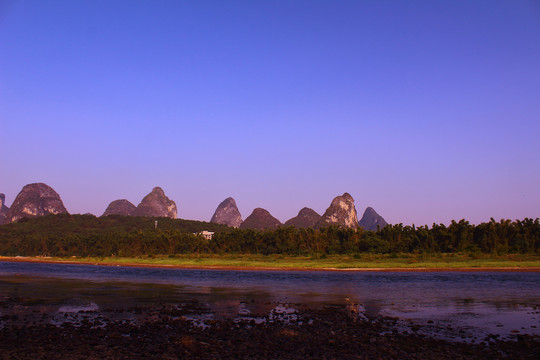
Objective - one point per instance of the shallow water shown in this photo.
(458, 305)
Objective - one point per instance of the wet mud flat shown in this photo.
(167, 332)
(30, 328)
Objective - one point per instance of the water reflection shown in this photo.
(499, 303)
(373, 308)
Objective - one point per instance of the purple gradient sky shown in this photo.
(427, 111)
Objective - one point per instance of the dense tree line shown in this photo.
(85, 235)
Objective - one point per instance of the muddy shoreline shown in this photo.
(268, 268)
(170, 332)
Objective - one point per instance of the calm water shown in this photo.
(480, 302)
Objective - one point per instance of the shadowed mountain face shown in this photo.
(370, 220)
(156, 204)
(227, 214)
(120, 207)
(306, 218)
(341, 213)
(3, 209)
(35, 200)
(260, 219)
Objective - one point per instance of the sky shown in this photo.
(426, 111)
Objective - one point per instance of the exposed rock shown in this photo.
(306, 218)
(35, 200)
(341, 213)
(3, 209)
(120, 207)
(260, 219)
(227, 214)
(156, 204)
(371, 220)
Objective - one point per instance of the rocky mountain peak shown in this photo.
(306, 218)
(36, 200)
(341, 212)
(260, 219)
(227, 213)
(3, 209)
(156, 204)
(120, 207)
(371, 220)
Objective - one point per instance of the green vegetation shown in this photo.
(366, 261)
(117, 237)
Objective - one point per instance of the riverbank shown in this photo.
(403, 262)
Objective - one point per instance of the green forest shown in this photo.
(125, 236)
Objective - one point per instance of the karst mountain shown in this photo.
(306, 218)
(40, 199)
(260, 219)
(341, 212)
(227, 214)
(35, 200)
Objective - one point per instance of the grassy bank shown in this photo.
(367, 261)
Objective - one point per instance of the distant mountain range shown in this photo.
(40, 199)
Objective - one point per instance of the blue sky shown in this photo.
(427, 111)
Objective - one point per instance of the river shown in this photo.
(464, 303)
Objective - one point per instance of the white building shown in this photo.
(206, 234)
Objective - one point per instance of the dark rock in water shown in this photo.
(341, 213)
(120, 207)
(260, 219)
(3, 209)
(35, 200)
(306, 218)
(156, 204)
(371, 220)
(227, 214)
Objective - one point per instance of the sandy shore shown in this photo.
(267, 268)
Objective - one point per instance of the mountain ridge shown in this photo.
(40, 199)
